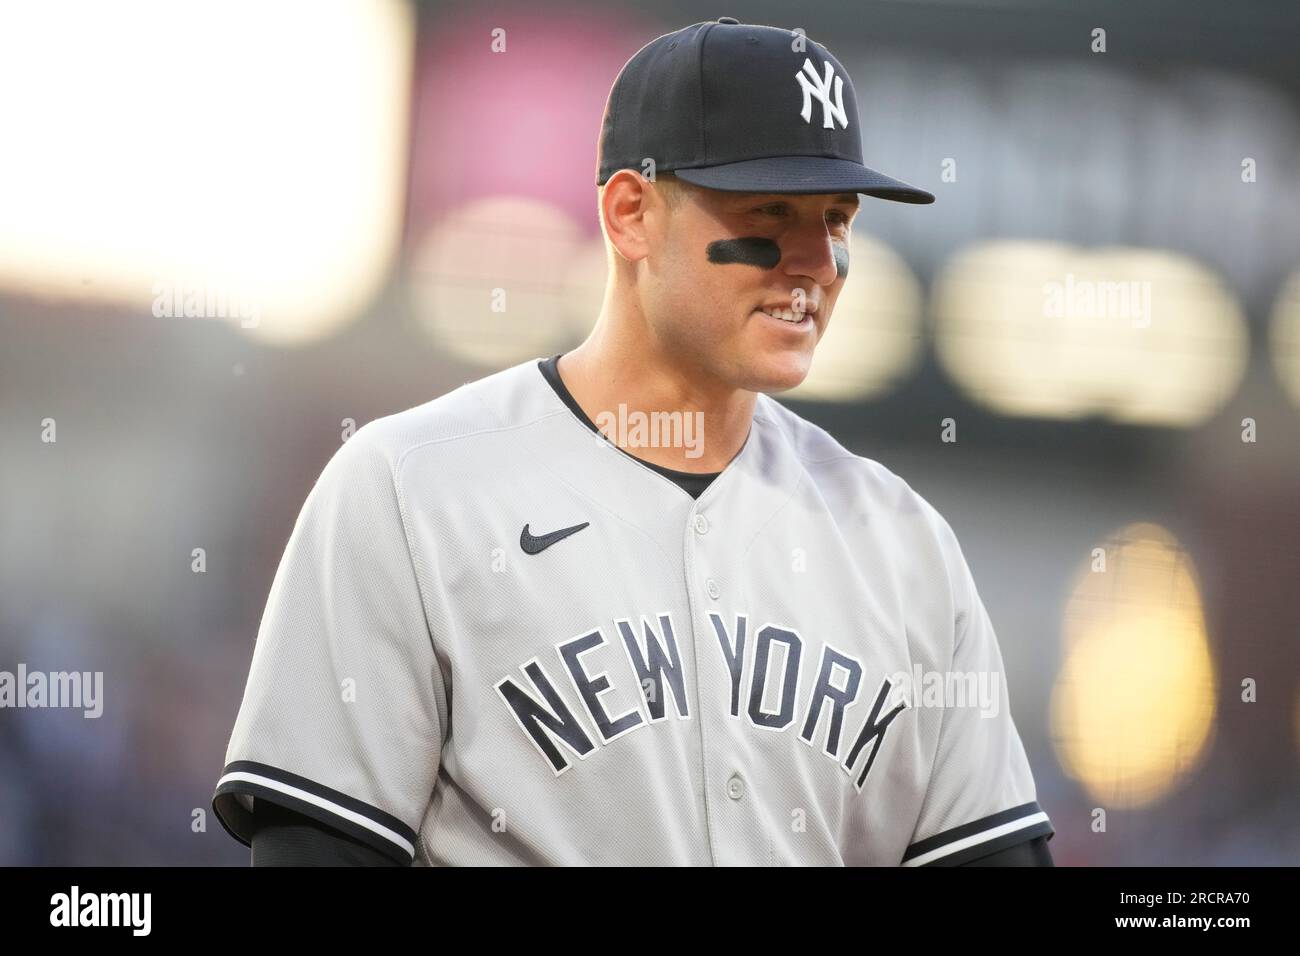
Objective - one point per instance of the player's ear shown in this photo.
(630, 211)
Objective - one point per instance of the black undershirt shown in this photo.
(690, 482)
(283, 837)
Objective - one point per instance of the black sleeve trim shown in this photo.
(372, 826)
(1026, 853)
(980, 837)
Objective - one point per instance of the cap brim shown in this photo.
(803, 175)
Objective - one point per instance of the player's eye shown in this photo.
(836, 216)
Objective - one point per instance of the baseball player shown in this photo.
(520, 625)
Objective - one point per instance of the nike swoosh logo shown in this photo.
(536, 544)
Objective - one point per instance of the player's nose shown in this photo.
(809, 252)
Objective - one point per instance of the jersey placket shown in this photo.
(730, 824)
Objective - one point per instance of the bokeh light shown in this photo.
(1284, 337)
(1134, 703)
(1043, 329)
(488, 282)
(268, 171)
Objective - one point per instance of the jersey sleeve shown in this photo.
(981, 797)
(342, 714)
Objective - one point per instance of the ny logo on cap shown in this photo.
(820, 87)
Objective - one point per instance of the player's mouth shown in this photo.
(790, 318)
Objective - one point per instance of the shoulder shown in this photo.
(894, 531)
(843, 476)
(484, 407)
(893, 528)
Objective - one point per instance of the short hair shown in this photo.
(674, 191)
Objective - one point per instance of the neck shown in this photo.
(620, 365)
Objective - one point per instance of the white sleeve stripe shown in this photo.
(983, 836)
(333, 808)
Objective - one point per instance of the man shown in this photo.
(501, 634)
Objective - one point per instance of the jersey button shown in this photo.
(713, 589)
(735, 787)
(701, 524)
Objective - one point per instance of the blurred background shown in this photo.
(231, 233)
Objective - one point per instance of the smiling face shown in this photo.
(742, 285)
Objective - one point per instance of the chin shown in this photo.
(779, 373)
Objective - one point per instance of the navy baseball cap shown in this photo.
(741, 107)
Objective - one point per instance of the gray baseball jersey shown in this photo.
(495, 638)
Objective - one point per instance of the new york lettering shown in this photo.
(773, 700)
